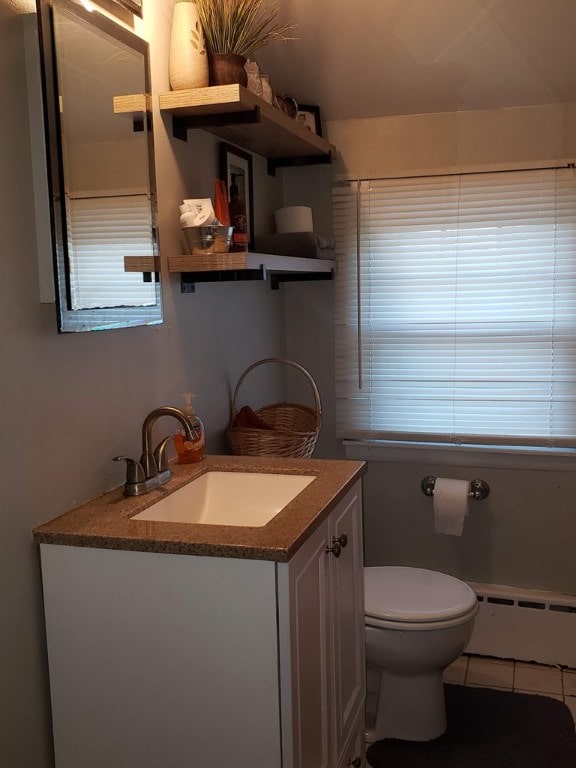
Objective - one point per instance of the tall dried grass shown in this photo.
(240, 26)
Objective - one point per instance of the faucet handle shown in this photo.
(160, 454)
(134, 470)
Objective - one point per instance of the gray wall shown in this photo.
(524, 534)
(72, 402)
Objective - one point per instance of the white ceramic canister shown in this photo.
(188, 57)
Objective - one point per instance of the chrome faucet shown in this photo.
(152, 470)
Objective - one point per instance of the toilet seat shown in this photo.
(420, 626)
(416, 598)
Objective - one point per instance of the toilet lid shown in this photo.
(398, 593)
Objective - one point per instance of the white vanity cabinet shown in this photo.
(206, 662)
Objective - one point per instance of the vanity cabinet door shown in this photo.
(355, 749)
(347, 604)
(322, 665)
(309, 656)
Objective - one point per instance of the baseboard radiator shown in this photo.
(525, 624)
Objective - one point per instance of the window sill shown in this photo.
(441, 454)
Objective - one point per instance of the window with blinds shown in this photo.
(102, 230)
(456, 308)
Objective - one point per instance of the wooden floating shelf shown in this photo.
(235, 114)
(222, 267)
(135, 102)
(141, 264)
(217, 262)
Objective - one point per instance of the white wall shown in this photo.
(72, 402)
(309, 307)
(524, 533)
(454, 141)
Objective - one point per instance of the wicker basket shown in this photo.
(295, 428)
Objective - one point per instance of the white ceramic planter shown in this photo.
(188, 57)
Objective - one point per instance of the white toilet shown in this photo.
(417, 623)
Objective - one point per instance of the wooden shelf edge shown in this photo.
(208, 101)
(228, 99)
(141, 264)
(208, 262)
(245, 261)
(136, 102)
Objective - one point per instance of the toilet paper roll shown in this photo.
(294, 218)
(450, 505)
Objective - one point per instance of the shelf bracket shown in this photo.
(180, 124)
(292, 277)
(288, 162)
(188, 280)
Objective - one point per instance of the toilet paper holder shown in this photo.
(478, 488)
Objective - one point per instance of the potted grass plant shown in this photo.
(234, 30)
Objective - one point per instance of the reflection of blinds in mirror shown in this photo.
(101, 232)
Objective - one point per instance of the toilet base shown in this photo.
(410, 707)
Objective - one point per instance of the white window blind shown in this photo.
(456, 308)
(102, 230)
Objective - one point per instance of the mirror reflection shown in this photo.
(101, 169)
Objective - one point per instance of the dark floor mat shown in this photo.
(489, 729)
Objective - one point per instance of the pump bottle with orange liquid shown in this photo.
(188, 451)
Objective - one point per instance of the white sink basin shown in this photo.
(228, 498)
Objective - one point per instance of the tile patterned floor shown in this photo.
(517, 676)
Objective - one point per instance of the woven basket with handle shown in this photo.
(294, 428)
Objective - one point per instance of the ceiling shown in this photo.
(395, 57)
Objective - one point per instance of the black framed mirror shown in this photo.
(100, 152)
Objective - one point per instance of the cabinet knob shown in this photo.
(335, 549)
(342, 540)
(357, 762)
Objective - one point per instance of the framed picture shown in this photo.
(236, 171)
(135, 6)
(309, 116)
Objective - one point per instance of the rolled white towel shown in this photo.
(197, 213)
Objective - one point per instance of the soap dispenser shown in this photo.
(188, 451)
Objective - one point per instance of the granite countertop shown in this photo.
(106, 523)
